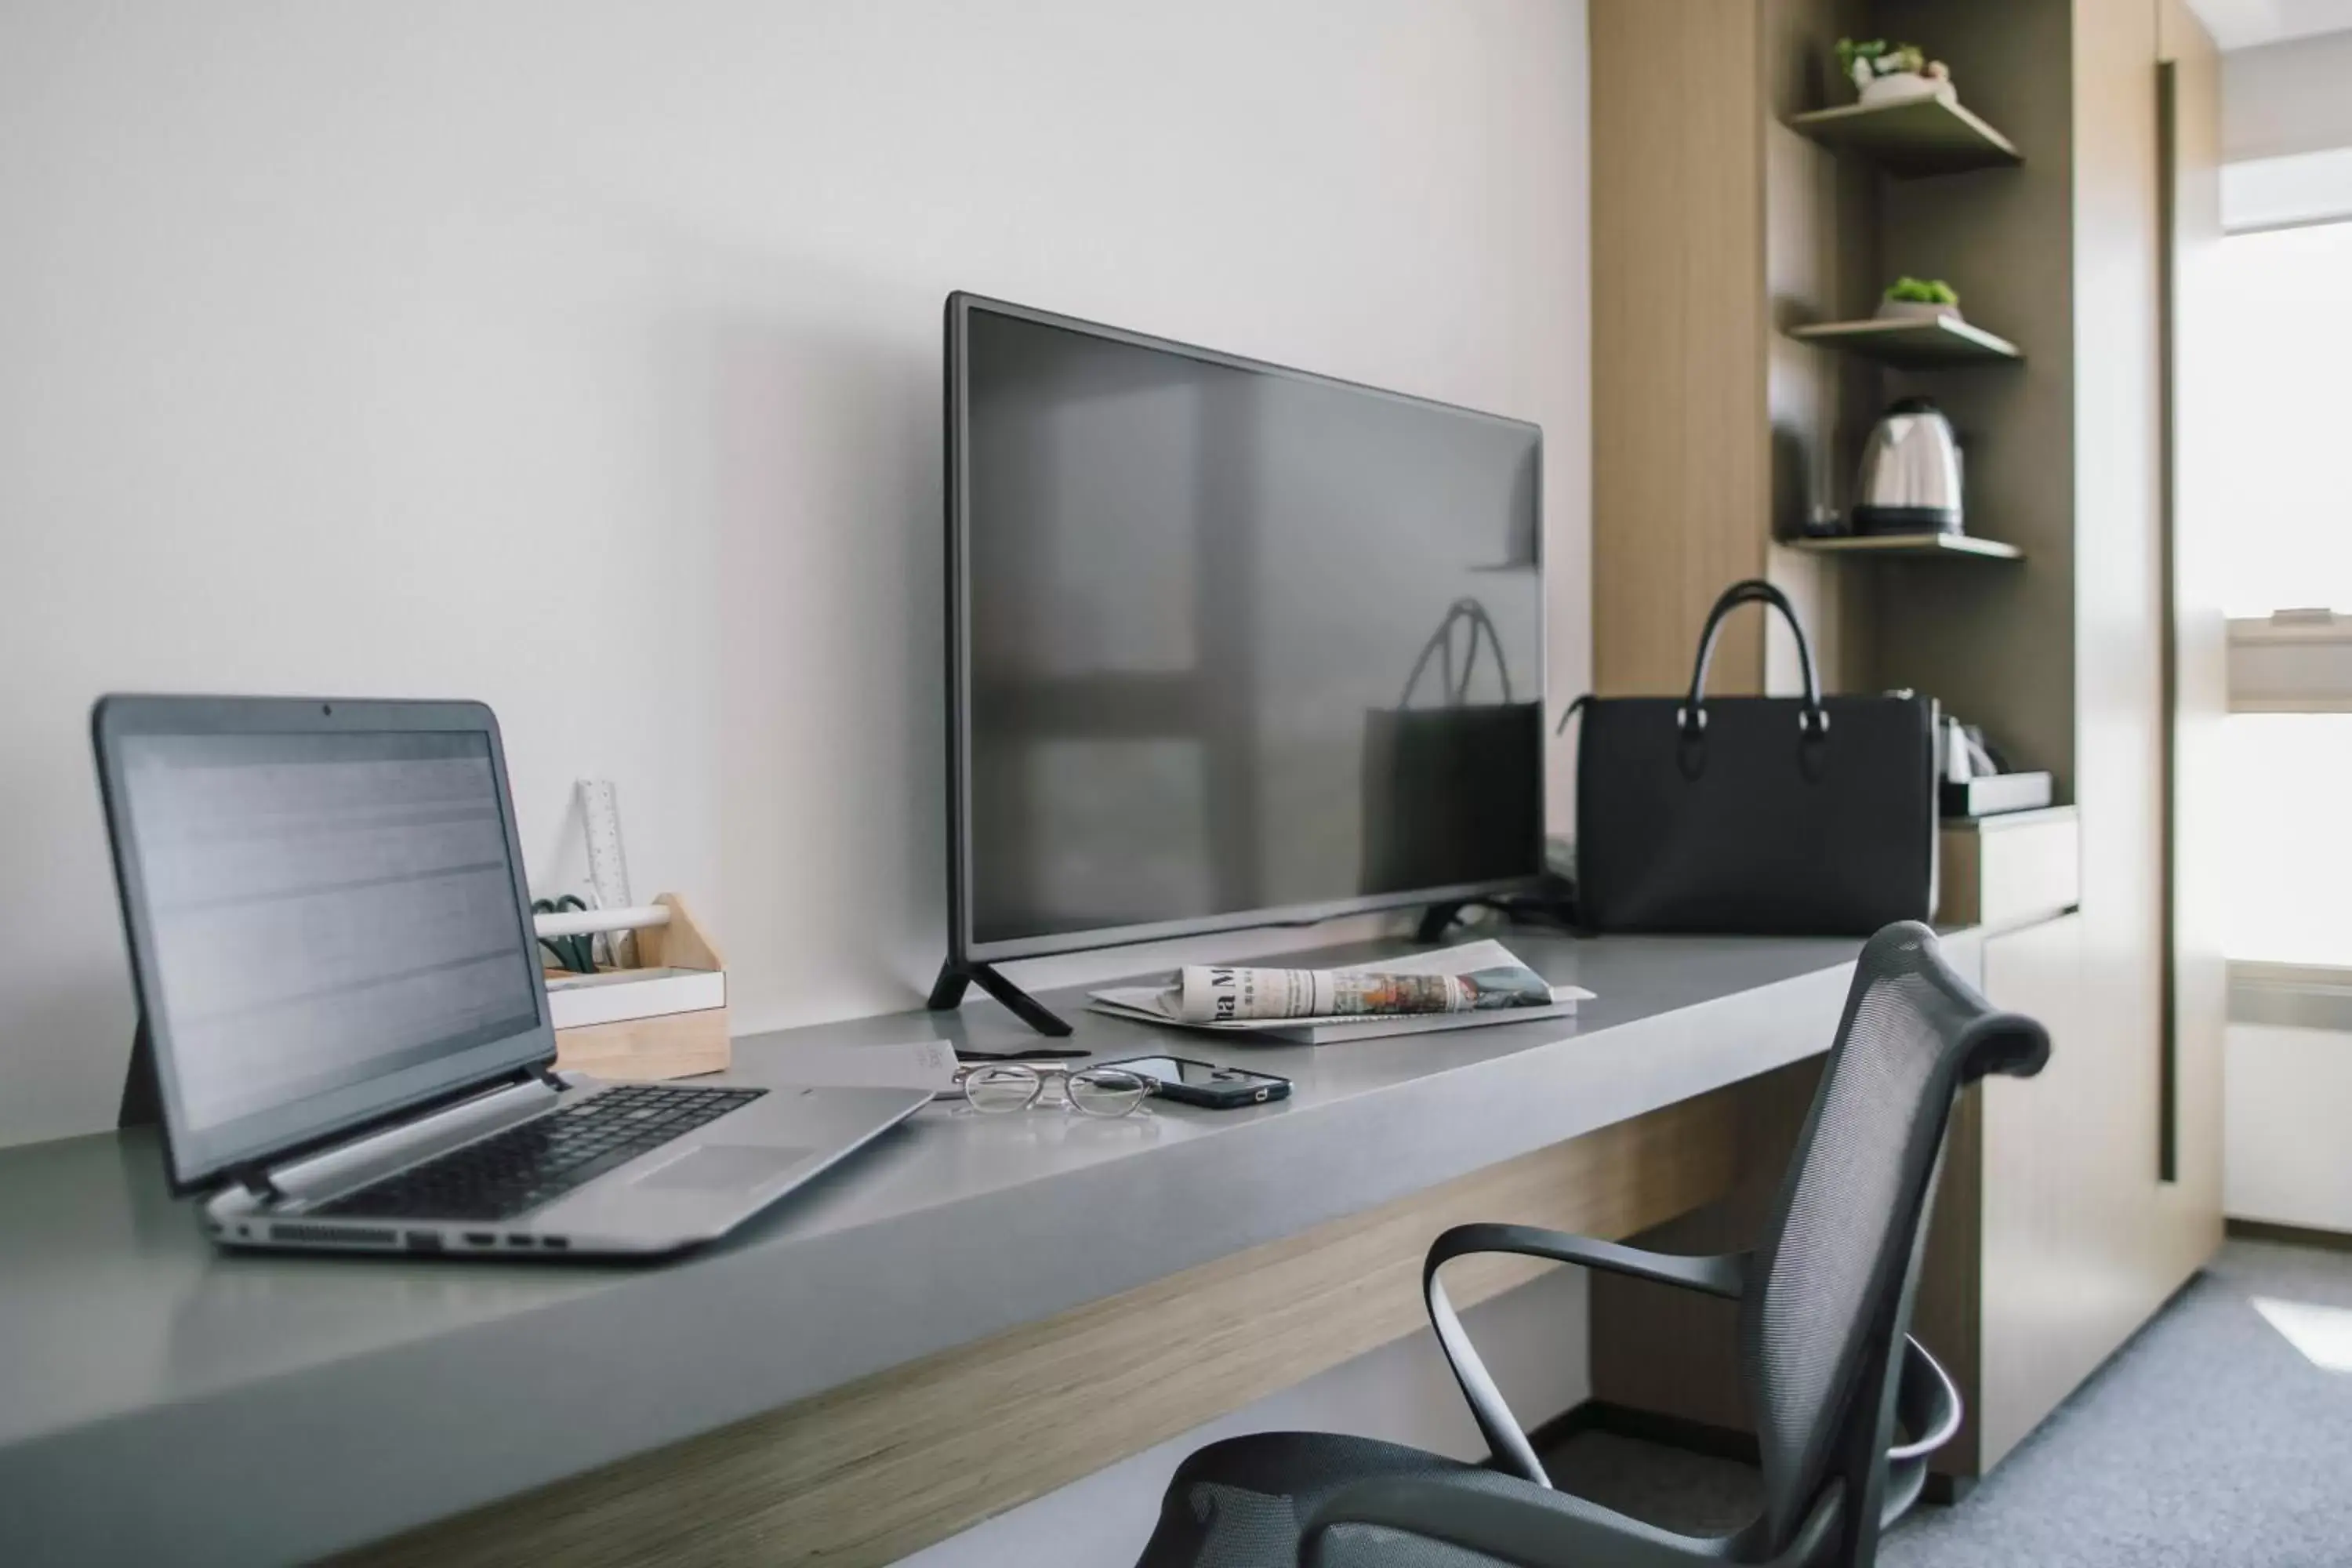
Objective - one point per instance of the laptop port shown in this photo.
(422, 1240)
(513, 1240)
(481, 1238)
(553, 1243)
(333, 1235)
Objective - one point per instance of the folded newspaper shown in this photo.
(1455, 987)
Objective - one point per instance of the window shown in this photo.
(2284, 435)
(2284, 354)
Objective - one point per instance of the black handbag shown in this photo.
(1769, 816)
(1452, 793)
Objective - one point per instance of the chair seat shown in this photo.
(1244, 1504)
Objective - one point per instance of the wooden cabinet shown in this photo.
(2059, 1156)
(2010, 869)
(2053, 1241)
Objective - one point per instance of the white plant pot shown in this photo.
(1916, 311)
(1901, 88)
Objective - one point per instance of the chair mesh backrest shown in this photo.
(1836, 1253)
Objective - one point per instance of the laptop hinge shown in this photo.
(513, 1097)
(549, 1076)
(255, 1179)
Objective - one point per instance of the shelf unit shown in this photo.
(2046, 637)
(1911, 140)
(1912, 342)
(1908, 544)
(1914, 139)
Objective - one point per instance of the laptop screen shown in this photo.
(333, 929)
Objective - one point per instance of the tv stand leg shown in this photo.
(1436, 919)
(947, 992)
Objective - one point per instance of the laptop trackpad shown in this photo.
(725, 1168)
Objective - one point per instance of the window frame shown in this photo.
(2291, 662)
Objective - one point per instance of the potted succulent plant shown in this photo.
(1890, 73)
(1919, 298)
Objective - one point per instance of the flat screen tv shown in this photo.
(1227, 644)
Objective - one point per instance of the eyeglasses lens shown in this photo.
(1106, 1091)
(1001, 1086)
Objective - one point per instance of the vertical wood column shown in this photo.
(1681, 435)
(1821, 264)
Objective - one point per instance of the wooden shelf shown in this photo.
(1912, 342)
(1910, 544)
(1918, 137)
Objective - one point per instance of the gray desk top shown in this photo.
(145, 1379)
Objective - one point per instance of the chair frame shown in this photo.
(1874, 1478)
(1919, 1395)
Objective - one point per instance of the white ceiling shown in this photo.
(2242, 24)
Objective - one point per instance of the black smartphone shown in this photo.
(1189, 1082)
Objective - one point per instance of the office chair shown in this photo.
(1828, 1364)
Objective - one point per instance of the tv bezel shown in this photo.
(963, 948)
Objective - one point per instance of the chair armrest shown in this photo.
(1719, 1276)
(1510, 1523)
(1724, 1274)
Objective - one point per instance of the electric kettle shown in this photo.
(1910, 479)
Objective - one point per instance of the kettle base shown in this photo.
(1906, 520)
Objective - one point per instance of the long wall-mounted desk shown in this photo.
(975, 1310)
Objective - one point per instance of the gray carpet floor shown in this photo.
(2208, 1441)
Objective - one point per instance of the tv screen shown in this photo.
(1230, 644)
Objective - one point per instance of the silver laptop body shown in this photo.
(693, 1188)
(344, 1011)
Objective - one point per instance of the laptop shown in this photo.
(331, 934)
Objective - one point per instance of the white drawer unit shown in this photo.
(2006, 870)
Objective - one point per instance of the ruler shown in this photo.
(608, 868)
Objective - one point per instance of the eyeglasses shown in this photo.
(995, 1088)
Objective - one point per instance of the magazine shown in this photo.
(1455, 987)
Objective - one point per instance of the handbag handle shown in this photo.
(1813, 719)
(1442, 640)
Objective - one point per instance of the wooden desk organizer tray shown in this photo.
(663, 1017)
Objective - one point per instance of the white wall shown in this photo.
(2287, 98)
(583, 357)
(2294, 192)
(2286, 1103)
(2239, 23)
(2286, 133)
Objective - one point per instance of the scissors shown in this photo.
(575, 954)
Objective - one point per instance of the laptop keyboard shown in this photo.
(539, 1161)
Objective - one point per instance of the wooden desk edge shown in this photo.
(871, 1471)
